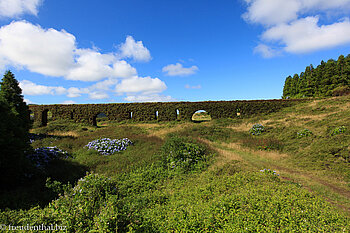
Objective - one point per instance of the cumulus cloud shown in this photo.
(73, 92)
(13, 8)
(146, 85)
(134, 50)
(54, 53)
(193, 87)
(294, 25)
(49, 52)
(150, 98)
(30, 88)
(266, 51)
(98, 95)
(178, 70)
(304, 35)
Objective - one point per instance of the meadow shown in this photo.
(292, 173)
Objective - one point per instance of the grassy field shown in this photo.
(201, 176)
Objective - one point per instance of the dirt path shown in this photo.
(335, 194)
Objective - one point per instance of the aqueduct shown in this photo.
(167, 111)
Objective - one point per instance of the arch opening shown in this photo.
(156, 115)
(31, 115)
(100, 120)
(201, 116)
(177, 114)
(46, 115)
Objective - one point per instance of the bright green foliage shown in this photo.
(257, 129)
(145, 200)
(328, 79)
(12, 93)
(304, 133)
(339, 130)
(181, 155)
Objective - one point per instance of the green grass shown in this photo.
(139, 189)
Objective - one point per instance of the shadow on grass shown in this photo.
(33, 192)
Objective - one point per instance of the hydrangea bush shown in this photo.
(268, 171)
(107, 146)
(304, 133)
(44, 155)
(257, 129)
(339, 130)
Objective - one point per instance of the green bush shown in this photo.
(339, 130)
(304, 133)
(181, 155)
(257, 129)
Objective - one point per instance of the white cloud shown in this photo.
(135, 50)
(150, 98)
(304, 35)
(193, 87)
(49, 52)
(266, 51)
(179, 70)
(68, 102)
(145, 85)
(98, 95)
(273, 12)
(28, 101)
(73, 92)
(54, 53)
(30, 88)
(13, 8)
(294, 25)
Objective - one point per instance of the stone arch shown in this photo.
(201, 115)
(96, 117)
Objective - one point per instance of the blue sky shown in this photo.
(112, 51)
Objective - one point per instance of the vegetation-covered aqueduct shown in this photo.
(156, 111)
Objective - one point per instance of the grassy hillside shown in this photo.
(209, 176)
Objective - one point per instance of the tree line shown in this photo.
(331, 78)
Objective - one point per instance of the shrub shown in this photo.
(339, 130)
(304, 133)
(181, 155)
(44, 155)
(107, 146)
(257, 129)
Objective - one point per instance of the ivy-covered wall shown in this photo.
(170, 111)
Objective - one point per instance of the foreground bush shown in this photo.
(145, 200)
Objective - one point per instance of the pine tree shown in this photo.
(12, 93)
(322, 81)
(287, 89)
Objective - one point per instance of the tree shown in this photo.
(13, 144)
(287, 89)
(12, 93)
(321, 81)
(14, 129)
